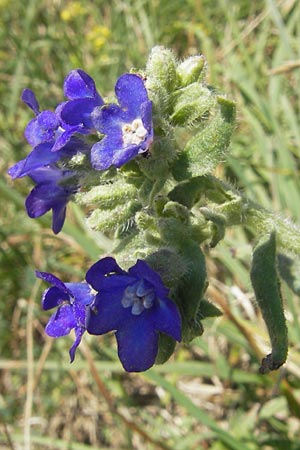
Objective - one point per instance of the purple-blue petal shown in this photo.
(107, 313)
(79, 331)
(146, 116)
(61, 322)
(131, 93)
(97, 271)
(165, 318)
(79, 111)
(40, 156)
(31, 132)
(125, 154)
(78, 84)
(52, 279)
(142, 270)
(115, 281)
(80, 312)
(48, 120)
(48, 174)
(110, 151)
(65, 137)
(81, 292)
(137, 345)
(43, 197)
(110, 118)
(53, 297)
(42, 128)
(59, 216)
(102, 153)
(16, 169)
(29, 98)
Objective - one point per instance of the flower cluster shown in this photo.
(143, 178)
(135, 304)
(122, 132)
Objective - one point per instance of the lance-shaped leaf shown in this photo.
(191, 289)
(267, 291)
(166, 347)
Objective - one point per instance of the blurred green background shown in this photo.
(210, 395)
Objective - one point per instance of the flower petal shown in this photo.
(35, 203)
(49, 174)
(166, 318)
(131, 93)
(61, 322)
(107, 313)
(80, 312)
(82, 292)
(142, 270)
(146, 116)
(65, 137)
(52, 279)
(137, 345)
(58, 217)
(43, 197)
(42, 128)
(109, 119)
(40, 156)
(115, 281)
(97, 271)
(102, 152)
(79, 111)
(78, 335)
(124, 155)
(111, 151)
(29, 98)
(52, 297)
(78, 84)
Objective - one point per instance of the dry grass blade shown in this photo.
(288, 66)
(220, 300)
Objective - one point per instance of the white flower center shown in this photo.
(134, 133)
(138, 296)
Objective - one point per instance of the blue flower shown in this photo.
(136, 305)
(53, 191)
(127, 127)
(46, 135)
(71, 301)
(83, 97)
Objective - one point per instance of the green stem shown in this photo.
(242, 211)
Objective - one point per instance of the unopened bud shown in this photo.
(191, 69)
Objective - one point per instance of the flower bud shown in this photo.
(108, 196)
(191, 69)
(111, 220)
(192, 104)
(161, 68)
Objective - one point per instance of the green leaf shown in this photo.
(191, 289)
(267, 291)
(166, 347)
(207, 148)
(208, 309)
